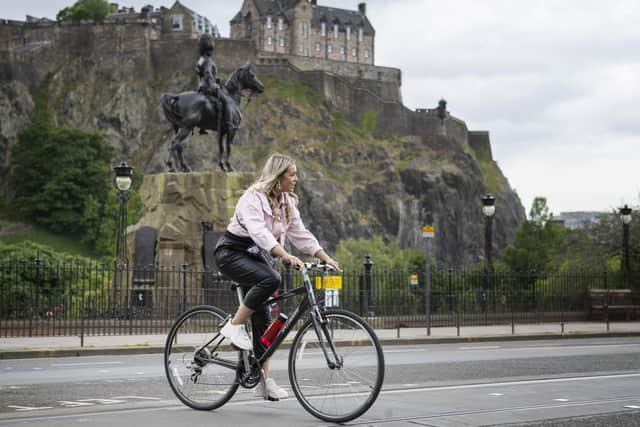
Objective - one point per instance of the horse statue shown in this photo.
(188, 110)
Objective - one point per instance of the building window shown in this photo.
(335, 31)
(323, 28)
(342, 50)
(176, 22)
(306, 51)
(269, 22)
(317, 47)
(301, 49)
(354, 52)
(360, 35)
(280, 24)
(269, 40)
(330, 48)
(366, 52)
(305, 30)
(348, 33)
(282, 42)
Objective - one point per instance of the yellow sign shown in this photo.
(428, 231)
(413, 279)
(329, 282)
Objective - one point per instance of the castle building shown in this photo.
(304, 28)
(177, 19)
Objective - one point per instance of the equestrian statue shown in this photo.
(214, 106)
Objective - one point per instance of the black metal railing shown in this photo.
(39, 298)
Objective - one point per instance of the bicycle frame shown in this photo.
(308, 304)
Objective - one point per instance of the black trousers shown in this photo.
(258, 280)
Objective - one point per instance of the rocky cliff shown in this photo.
(365, 169)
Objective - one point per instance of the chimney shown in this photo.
(314, 2)
(362, 8)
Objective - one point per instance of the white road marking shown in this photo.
(72, 404)
(485, 347)
(496, 394)
(102, 401)
(28, 408)
(632, 406)
(86, 364)
(136, 397)
(561, 400)
(37, 369)
(512, 383)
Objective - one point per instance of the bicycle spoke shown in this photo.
(341, 393)
(201, 380)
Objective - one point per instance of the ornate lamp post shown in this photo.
(625, 216)
(123, 182)
(123, 174)
(488, 209)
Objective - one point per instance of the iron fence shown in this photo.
(39, 298)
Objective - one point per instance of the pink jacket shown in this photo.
(253, 218)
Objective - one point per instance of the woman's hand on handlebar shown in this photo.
(294, 260)
(333, 263)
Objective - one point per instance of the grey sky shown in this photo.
(555, 82)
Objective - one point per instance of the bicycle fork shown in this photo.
(321, 326)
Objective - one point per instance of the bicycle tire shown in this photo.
(216, 384)
(343, 394)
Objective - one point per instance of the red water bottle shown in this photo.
(273, 329)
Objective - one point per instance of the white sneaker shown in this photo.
(274, 391)
(238, 335)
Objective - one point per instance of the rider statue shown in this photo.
(209, 85)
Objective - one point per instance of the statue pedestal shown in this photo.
(176, 204)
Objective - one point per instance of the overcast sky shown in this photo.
(555, 82)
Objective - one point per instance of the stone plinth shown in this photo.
(177, 204)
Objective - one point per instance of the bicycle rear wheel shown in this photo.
(337, 394)
(196, 380)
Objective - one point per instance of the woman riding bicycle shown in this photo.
(264, 215)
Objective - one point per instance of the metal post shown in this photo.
(625, 249)
(183, 267)
(121, 260)
(427, 299)
(487, 244)
(368, 263)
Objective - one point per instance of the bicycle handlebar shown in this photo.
(318, 266)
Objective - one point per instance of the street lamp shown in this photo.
(123, 182)
(625, 216)
(488, 209)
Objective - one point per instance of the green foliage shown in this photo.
(95, 10)
(385, 255)
(294, 91)
(68, 197)
(34, 280)
(535, 240)
(369, 120)
(41, 236)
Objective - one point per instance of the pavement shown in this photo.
(71, 346)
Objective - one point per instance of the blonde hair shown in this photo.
(277, 164)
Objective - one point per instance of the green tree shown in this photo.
(62, 179)
(95, 10)
(535, 240)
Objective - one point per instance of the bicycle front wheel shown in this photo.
(190, 357)
(336, 393)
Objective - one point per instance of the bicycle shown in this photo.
(336, 364)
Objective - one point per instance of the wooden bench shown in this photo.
(602, 303)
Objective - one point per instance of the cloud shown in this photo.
(555, 82)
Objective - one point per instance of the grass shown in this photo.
(59, 243)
